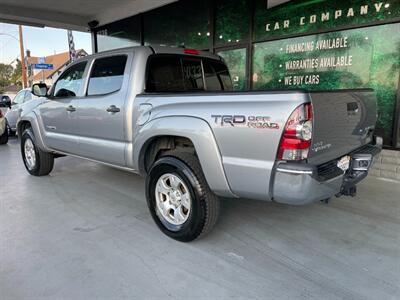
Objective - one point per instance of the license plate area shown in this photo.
(361, 162)
(344, 163)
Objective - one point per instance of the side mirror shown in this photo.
(39, 89)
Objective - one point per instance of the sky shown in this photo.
(40, 41)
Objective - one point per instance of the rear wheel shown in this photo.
(37, 162)
(180, 201)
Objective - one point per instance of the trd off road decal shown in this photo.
(260, 122)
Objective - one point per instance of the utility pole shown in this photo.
(23, 66)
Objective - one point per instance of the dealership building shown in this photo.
(276, 44)
(315, 45)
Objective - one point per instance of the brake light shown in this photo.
(296, 138)
(191, 51)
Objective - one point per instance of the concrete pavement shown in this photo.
(85, 232)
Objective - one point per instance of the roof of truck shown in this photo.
(159, 50)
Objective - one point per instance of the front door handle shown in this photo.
(71, 108)
(113, 109)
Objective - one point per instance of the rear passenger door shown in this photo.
(101, 115)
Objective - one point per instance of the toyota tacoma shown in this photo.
(170, 114)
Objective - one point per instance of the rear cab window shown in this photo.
(168, 73)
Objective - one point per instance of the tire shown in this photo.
(4, 138)
(10, 131)
(204, 204)
(43, 162)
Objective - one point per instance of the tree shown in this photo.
(6, 72)
(16, 76)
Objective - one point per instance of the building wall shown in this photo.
(317, 45)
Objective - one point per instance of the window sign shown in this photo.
(350, 59)
(309, 16)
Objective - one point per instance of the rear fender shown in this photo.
(197, 131)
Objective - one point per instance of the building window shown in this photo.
(181, 24)
(120, 34)
(236, 61)
(232, 22)
(349, 59)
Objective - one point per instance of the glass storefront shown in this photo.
(235, 59)
(315, 45)
(124, 33)
(182, 24)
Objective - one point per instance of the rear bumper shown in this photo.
(299, 184)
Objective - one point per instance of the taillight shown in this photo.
(296, 138)
(1, 113)
(191, 51)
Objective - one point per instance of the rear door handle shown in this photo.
(113, 109)
(71, 108)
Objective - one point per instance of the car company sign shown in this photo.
(310, 16)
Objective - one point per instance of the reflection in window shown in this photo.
(107, 75)
(164, 75)
(217, 76)
(124, 33)
(70, 82)
(193, 74)
(19, 98)
(236, 62)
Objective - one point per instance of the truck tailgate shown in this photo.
(343, 122)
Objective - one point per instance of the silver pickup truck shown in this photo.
(170, 115)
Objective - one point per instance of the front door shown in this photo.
(15, 110)
(59, 113)
(102, 112)
(236, 59)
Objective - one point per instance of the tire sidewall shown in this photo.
(28, 134)
(195, 222)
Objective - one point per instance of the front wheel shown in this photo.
(179, 198)
(37, 162)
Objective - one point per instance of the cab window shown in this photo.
(70, 82)
(217, 76)
(28, 96)
(19, 99)
(193, 74)
(164, 74)
(107, 75)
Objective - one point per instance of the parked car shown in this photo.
(5, 103)
(3, 129)
(170, 115)
(16, 108)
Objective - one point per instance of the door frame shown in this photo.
(248, 62)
